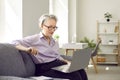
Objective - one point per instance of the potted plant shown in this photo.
(91, 43)
(56, 37)
(107, 15)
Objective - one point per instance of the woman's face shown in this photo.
(49, 27)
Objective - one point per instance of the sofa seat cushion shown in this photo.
(13, 78)
(12, 63)
(28, 62)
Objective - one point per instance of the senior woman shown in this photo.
(45, 51)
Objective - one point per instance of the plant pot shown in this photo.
(108, 20)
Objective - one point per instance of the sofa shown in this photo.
(15, 64)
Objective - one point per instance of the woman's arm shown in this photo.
(31, 50)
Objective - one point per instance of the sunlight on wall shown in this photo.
(12, 22)
(60, 9)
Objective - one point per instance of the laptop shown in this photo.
(80, 60)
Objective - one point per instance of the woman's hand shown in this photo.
(66, 61)
(32, 50)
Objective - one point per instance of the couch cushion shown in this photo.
(11, 61)
(13, 78)
(29, 65)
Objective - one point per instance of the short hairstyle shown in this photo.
(44, 17)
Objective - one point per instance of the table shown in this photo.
(73, 46)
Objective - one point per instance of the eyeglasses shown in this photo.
(51, 27)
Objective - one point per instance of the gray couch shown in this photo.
(14, 64)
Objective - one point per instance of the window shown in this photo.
(60, 9)
(11, 20)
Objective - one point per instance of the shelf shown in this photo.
(107, 62)
(109, 44)
(107, 53)
(109, 33)
(105, 22)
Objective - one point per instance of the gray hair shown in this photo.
(45, 17)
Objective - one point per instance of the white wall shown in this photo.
(82, 16)
(72, 20)
(32, 10)
(19, 18)
(92, 10)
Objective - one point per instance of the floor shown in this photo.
(105, 72)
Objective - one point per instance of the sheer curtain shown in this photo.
(60, 9)
(10, 20)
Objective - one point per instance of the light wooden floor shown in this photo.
(105, 72)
